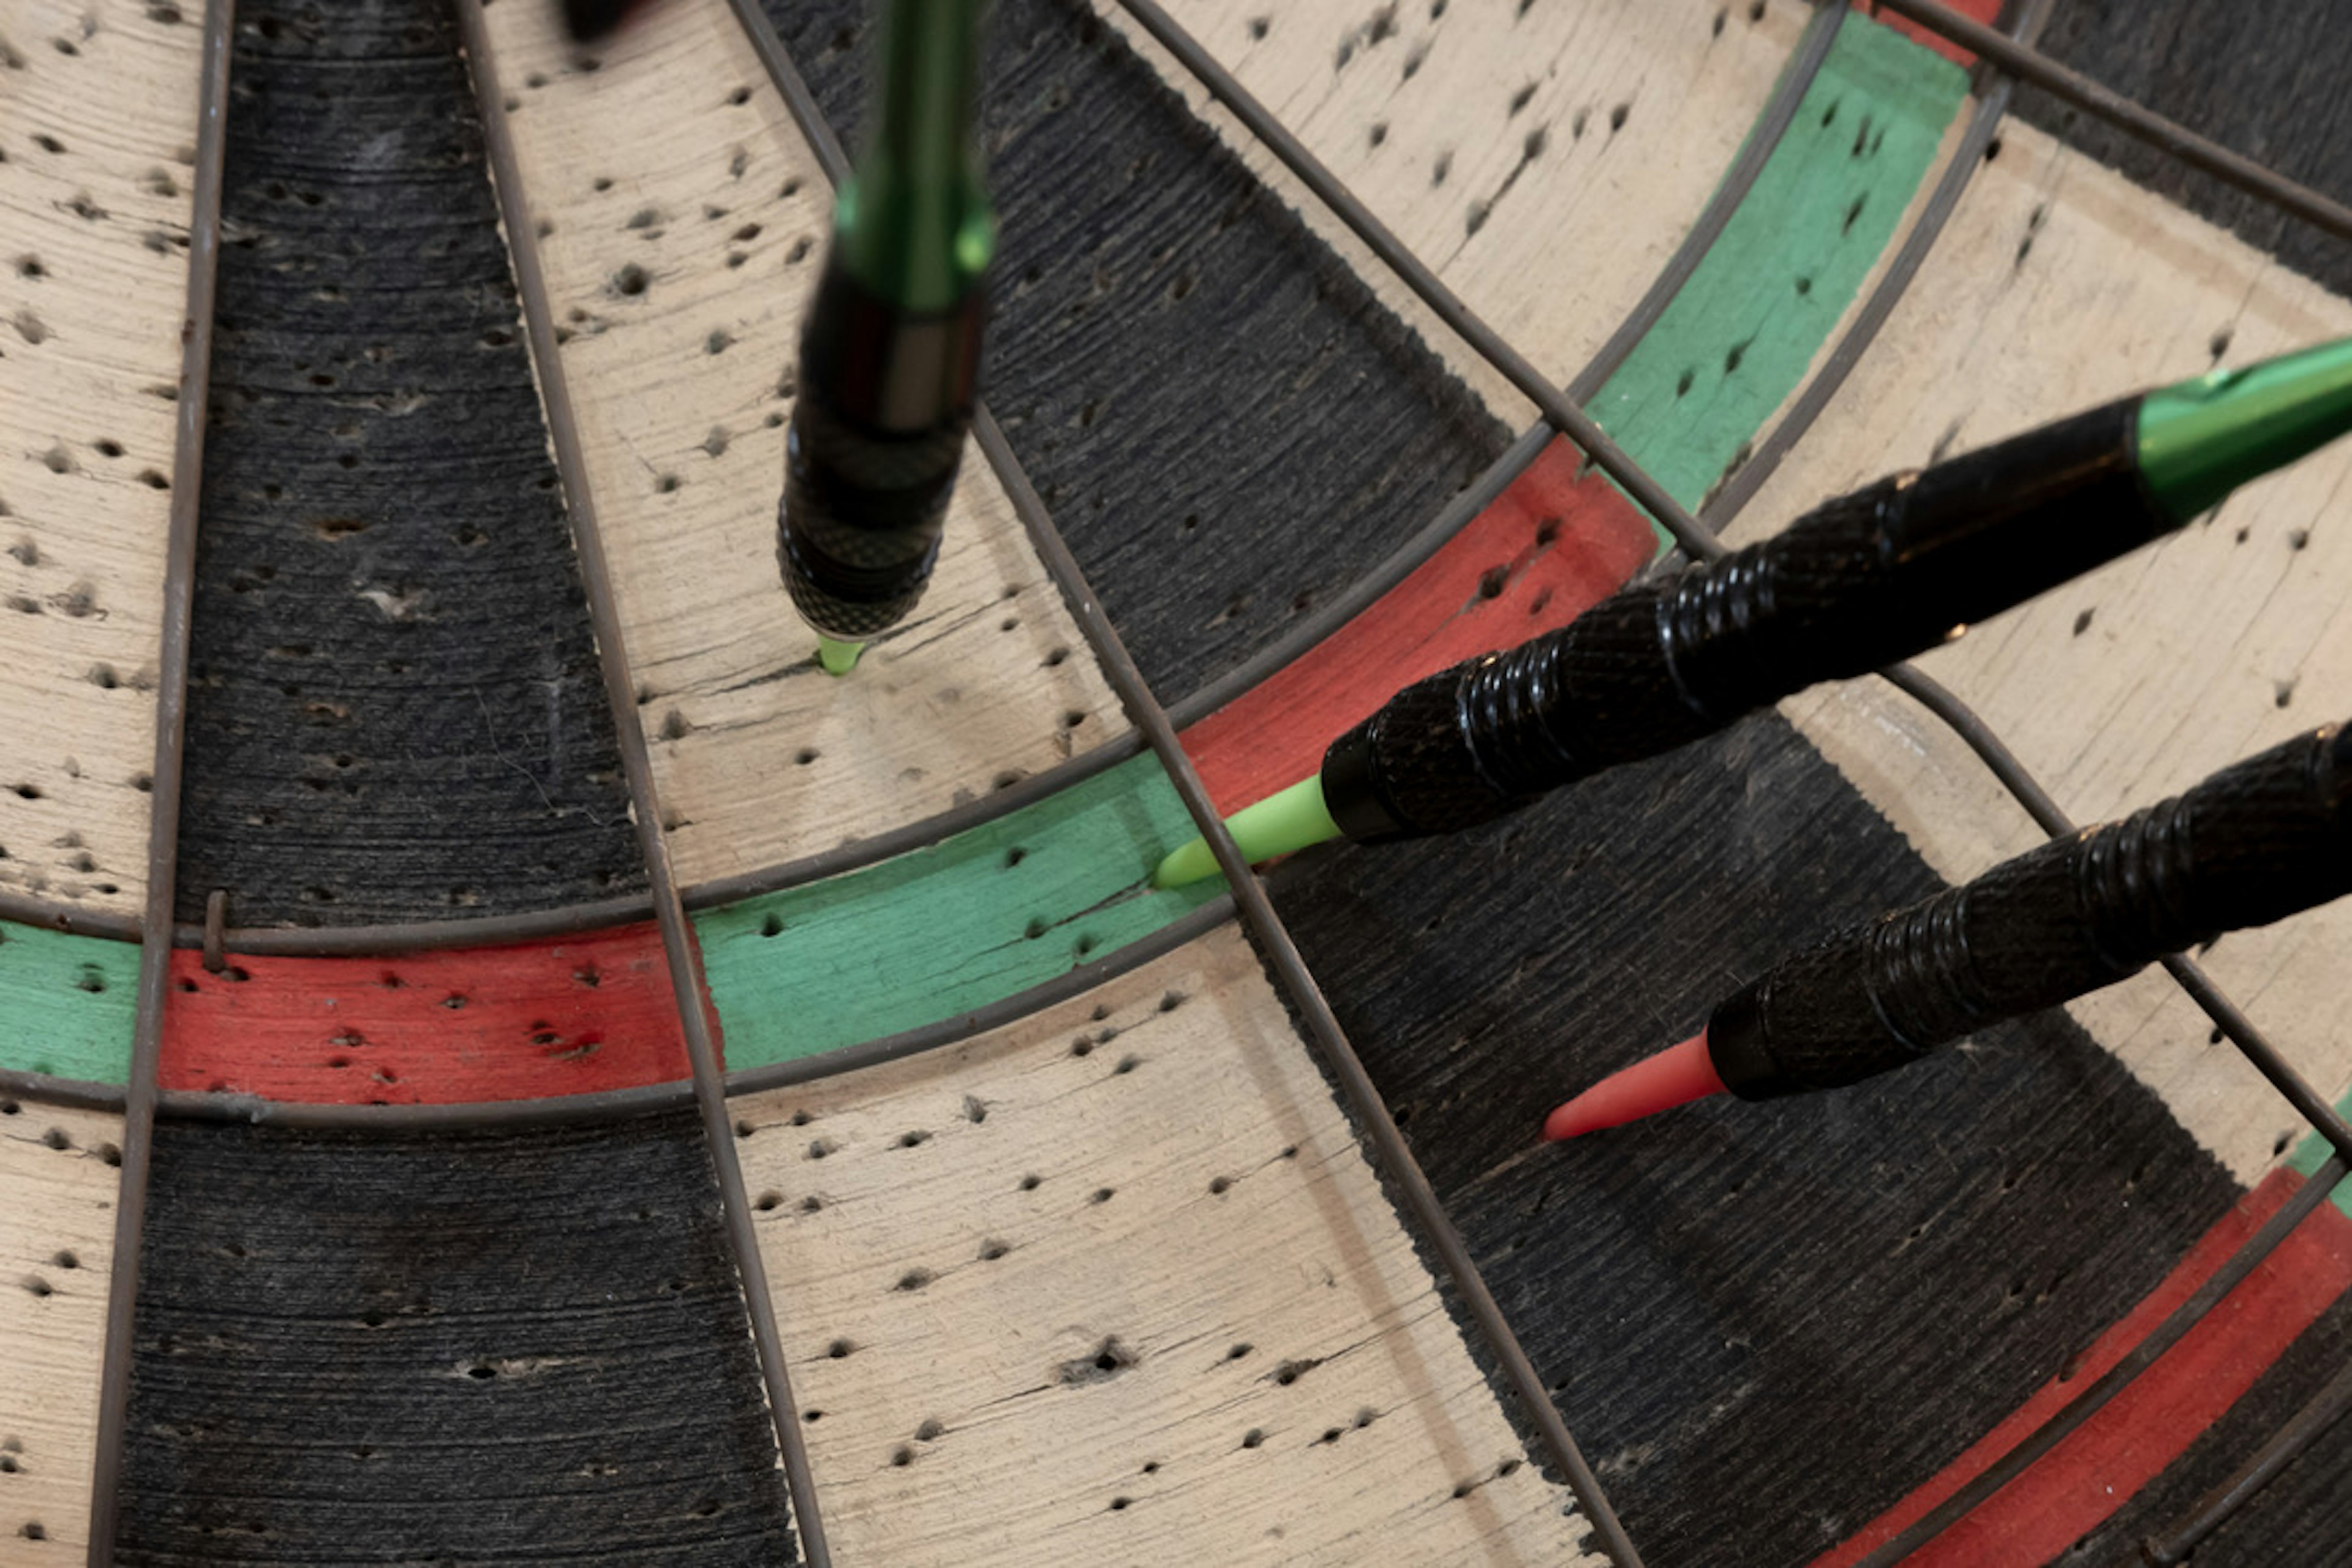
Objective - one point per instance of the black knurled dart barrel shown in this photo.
(1859, 582)
(870, 459)
(2255, 843)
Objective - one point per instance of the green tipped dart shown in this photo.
(2201, 439)
(1278, 825)
(838, 658)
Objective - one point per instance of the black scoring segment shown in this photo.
(497, 1347)
(1767, 1322)
(2263, 78)
(395, 708)
(1224, 423)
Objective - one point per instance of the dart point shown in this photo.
(838, 658)
(1675, 1076)
(2201, 439)
(1278, 824)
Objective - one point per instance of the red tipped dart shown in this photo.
(1675, 1076)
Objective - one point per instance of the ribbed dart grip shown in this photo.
(1858, 584)
(2259, 841)
(870, 459)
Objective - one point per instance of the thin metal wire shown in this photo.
(1308, 631)
(1696, 538)
(1256, 911)
(163, 804)
(618, 1104)
(1291, 970)
(2299, 1432)
(1992, 104)
(2117, 1378)
(645, 801)
(1562, 412)
(2166, 135)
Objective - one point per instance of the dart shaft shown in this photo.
(891, 350)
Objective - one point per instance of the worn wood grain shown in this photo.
(2058, 285)
(531, 1021)
(1827, 1296)
(98, 121)
(682, 222)
(1225, 420)
(57, 1240)
(65, 1003)
(1116, 1284)
(1545, 160)
(395, 708)
(2264, 78)
(940, 930)
(493, 1347)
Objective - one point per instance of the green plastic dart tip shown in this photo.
(1278, 825)
(837, 656)
(2201, 439)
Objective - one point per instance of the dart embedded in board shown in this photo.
(1862, 582)
(890, 356)
(2267, 838)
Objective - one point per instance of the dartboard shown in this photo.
(507, 1061)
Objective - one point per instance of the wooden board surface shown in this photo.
(98, 121)
(1828, 1297)
(1545, 160)
(940, 930)
(536, 1020)
(57, 1237)
(65, 1003)
(1116, 1284)
(683, 223)
(501, 1346)
(395, 710)
(2059, 285)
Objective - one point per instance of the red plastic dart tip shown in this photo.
(1675, 1076)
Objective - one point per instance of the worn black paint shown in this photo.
(2303, 1518)
(395, 711)
(1765, 1323)
(487, 1347)
(2263, 78)
(1224, 423)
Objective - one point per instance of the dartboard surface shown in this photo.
(416, 792)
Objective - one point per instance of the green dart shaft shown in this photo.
(913, 224)
(1864, 581)
(2201, 439)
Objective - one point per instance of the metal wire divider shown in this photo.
(636, 764)
(1699, 541)
(164, 805)
(1258, 917)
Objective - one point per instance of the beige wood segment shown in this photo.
(2059, 285)
(1116, 1285)
(58, 1178)
(682, 223)
(1544, 161)
(98, 115)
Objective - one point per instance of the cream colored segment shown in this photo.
(1488, 137)
(1114, 1284)
(57, 1180)
(2059, 285)
(682, 223)
(98, 114)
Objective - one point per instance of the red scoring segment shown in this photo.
(582, 1016)
(2099, 1467)
(1549, 547)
